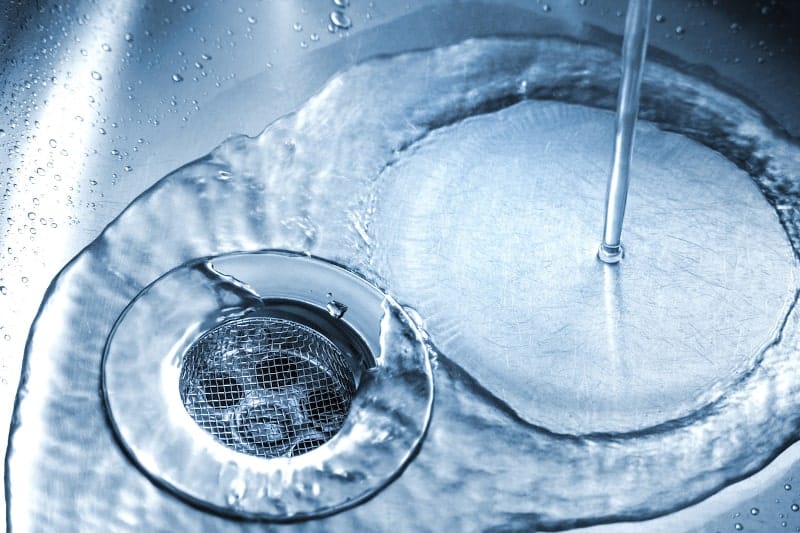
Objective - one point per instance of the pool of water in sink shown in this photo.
(317, 180)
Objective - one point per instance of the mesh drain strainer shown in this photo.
(241, 385)
(267, 386)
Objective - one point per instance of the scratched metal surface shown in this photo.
(100, 99)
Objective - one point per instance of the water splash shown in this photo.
(503, 471)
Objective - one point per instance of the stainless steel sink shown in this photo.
(100, 100)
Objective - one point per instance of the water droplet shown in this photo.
(795, 507)
(303, 44)
(31, 215)
(24, 279)
(754, 511)
(177, 77)
(114, 152)
(251, 19)
(52, 143)
(205, 56)
(340, 20)
(96, 75)
(129, 37)
(92, 182)
(127, 168)
(297, 26)
(787, 487)
(341, 3)
(660, 18)
(6, 337)
(336, 309)
(235, 492)
(106, 47)
(679, 30)
(3, 290)
(84, 52)
(582, 2)
(314, 37)
(738, 526)
(783, 524)
(546, 8)
(223, 175)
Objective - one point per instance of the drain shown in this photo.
(271, 399)
(267, 386)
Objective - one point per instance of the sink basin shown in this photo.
(100, 102)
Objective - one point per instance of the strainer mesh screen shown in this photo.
(267, 386)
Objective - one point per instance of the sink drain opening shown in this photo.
(281, 407)
(267, 386)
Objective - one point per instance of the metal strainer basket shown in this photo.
(267, 386)
(246, 392)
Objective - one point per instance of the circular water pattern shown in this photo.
(312, 181)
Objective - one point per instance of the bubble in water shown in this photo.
(129, 37)
(52, 143)
(205, 56)
(546, 8)
(754, 511)
(297, 26)
(127, 168)
(660, 18)
(795, 507)
(3, 290)
(339, 20)
(738, 526)
(336, 309)
(679, 30)
(96, 75)
(106, 47)
(787, 487)
(251, 19)
(341, 3)
(314, 37)
(177, 77)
